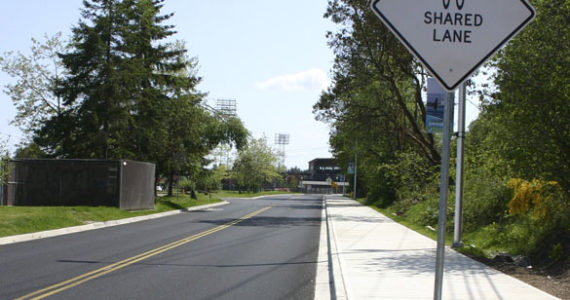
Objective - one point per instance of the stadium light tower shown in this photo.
(227, 107)
(282, 140)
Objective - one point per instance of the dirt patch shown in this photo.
(553, 279)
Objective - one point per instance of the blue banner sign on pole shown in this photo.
(350, 168)
(435, 106)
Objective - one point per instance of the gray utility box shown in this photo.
(125, 184)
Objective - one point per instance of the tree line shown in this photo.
(517, 168)
(119, 89)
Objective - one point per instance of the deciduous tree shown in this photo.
(532, 107)
(36, 75)
(256, 165)
(375, 103)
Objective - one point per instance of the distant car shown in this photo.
(159, 188)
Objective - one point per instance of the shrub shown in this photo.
(411, 179)
(485, 201)
(540, 216)
(425, 213)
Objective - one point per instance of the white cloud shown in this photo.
(313, 79)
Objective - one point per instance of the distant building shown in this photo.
(324, 177)
(321, 169)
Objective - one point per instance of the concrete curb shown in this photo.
(330, 283)
(57, 232)
(323, 281)
(338, 288)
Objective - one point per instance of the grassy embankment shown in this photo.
(474, 243)
(26, 219)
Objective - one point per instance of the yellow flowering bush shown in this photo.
(536, 196)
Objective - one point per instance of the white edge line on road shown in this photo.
(57, 232)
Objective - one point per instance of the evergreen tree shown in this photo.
(94, 92)
(131, 94)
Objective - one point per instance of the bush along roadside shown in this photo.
(529, 219)
(522, 223)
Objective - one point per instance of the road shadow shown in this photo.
(267, 221)
(306, 206)
(199, 265)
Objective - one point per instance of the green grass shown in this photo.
(26, 219)
(475, 244)
(390, 213)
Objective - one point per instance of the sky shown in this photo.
(272, 57)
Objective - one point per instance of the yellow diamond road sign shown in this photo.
(452, 38)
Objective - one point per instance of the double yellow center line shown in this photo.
(75, 281)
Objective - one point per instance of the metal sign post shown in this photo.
(440, 103)
(458, 224)
(355, 172)
(452, 39)
(443, 193)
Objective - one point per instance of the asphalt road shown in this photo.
(250, 249)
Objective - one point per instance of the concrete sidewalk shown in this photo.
(373, 257)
